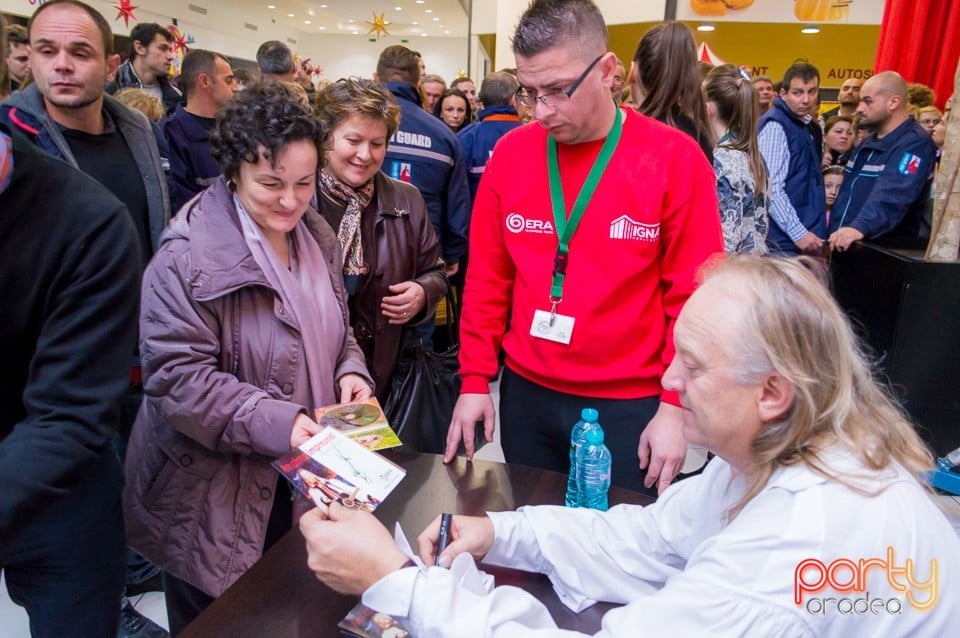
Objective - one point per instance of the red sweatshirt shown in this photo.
(653, 220)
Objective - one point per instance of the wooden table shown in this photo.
(280, 597)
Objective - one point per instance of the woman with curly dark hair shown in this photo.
(244, 333)
(391, 256)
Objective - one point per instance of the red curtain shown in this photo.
(920, 39)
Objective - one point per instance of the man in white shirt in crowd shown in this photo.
(810, 521)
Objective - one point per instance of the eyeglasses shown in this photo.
(933, 122)
(554, 98)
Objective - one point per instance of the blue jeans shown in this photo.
(66, 566)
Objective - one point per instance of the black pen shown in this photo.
(445, 520)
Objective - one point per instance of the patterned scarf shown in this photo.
(355, 200)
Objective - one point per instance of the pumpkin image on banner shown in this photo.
(715, 8)
(821, 10)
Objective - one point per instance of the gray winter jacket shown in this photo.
(221, 372)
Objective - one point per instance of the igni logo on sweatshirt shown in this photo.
(625, 228)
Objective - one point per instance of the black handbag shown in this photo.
(424, 391)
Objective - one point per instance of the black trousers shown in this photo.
(535, 429)
(185, 602)
(66, 565)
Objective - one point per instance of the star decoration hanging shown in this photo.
(306, 68)
(378, 25)
(180, 41)
(125, 10)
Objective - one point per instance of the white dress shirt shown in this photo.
(681, 569)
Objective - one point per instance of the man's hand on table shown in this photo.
(349, 550)
(662, 449)
(471, 534)
(470, 409)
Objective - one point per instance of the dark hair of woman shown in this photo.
(438, 109)
(668, 76)
(261, 120)
(738, 106)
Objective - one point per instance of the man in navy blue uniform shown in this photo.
(496, 118)
(207, 79)
(886, 183)
(425, 153)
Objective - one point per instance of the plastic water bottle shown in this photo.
(588, 419)
(593, 471)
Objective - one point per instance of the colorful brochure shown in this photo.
(362, 421)
(333, 467)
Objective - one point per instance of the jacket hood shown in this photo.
(404, 90)
(28, 101)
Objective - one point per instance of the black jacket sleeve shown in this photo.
(70, 277)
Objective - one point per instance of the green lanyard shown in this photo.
(566, 227)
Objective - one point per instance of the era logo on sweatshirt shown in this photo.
(625, 228)
(517, 223)
(909, 164)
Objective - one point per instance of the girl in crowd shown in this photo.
(832, 179)
(665, 81)
(244, 333)
(143, 101)
(839, 134)
(454, 109)
(733, 109)
(391, 257)
(928, 117)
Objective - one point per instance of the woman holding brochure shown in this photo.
(244, 333)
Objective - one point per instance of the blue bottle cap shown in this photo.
(594, 436)
(589, 415)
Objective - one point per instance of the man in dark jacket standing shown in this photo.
(425, 153)
(66, 113)
(150, 56)
(496, 118)
(70, 279)
(791, 143)
(207, 80)
(887, 182)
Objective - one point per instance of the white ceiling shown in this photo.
(408, 18)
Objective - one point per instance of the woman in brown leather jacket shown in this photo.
(391, 257)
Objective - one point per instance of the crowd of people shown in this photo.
(278, 237)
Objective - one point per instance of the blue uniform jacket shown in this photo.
(425, 152)
(192, 167)
(479, 138)
(886, 184)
